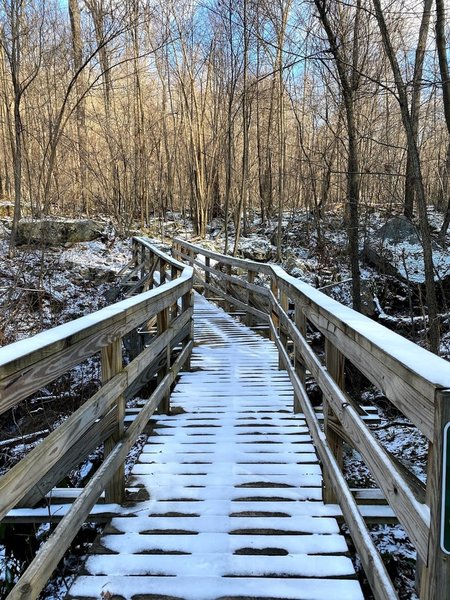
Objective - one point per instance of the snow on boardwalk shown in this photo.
(234, 487)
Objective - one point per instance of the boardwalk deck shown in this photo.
(234, 486)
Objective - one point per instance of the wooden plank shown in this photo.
(375, 570)
(238, 303)
(335, 364)
(27, 473)
(410, 393)
(162, 325)
(300, 368)
(413, 515)
(435, 575)
(159, 253)
(225, 259)
(36, 575)
(23, 371)
(111, 363)
(235, 280)
(82, 447)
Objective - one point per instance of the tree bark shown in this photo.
(441, 44)
(80, 111)
(415, 105)
(434, 334)
(349, 84)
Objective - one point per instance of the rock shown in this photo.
(398, 230)
(52, 232)
(294, 266)
(256, 249)
(395, 249)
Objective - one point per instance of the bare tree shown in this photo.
(434, 334)
(441, 44)
(347, 68)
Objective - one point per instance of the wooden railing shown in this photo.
(30, 364)
(415, 381)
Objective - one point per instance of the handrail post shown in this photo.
(250, 297)
(162, 271)
(335, 363)
(207, 273)
(175, 251)
(274, 315)
(227, 305)
(299, 365)
(162, 324)
(144, 259)
(435, 576)
(135, 252)
(187, 301)
(284, 303)
(174, 274)
(111, 363)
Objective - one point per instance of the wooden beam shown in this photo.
(112, 365)
(375, 570)
(413, 515)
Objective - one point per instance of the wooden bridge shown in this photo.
(239, 488)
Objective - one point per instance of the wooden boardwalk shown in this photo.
(234, 488)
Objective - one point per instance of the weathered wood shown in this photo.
(73, 456)
(335, 363)
(239, 263)
(274, 317)
(236, 302)
(162, 326)
(137, 269)
(249, 321)
(23, 371)
(112, 365)
(187, 304)
(234, 279)
(174, 273)
(227, 293)
(300, 369)
(27, 473)
(435, 576)
(375, 570)
(284, 304)
(413, 515)
(207, 269)
(35, 577)
(408, 391)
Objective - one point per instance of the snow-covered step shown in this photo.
(207, 588)
(242, 448)
(219, 565)
(212, 543)
(233, 486)
(176, 491)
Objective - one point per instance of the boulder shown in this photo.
(55, 232)
(256, 249)
(396, 249)
(398, 230)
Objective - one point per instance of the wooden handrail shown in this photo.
(28, 365)
(415, 381)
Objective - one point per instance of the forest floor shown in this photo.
(41, 288)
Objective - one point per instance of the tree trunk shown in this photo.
(80, 111)
(415, 106)
(441, 44)
(434, 334)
